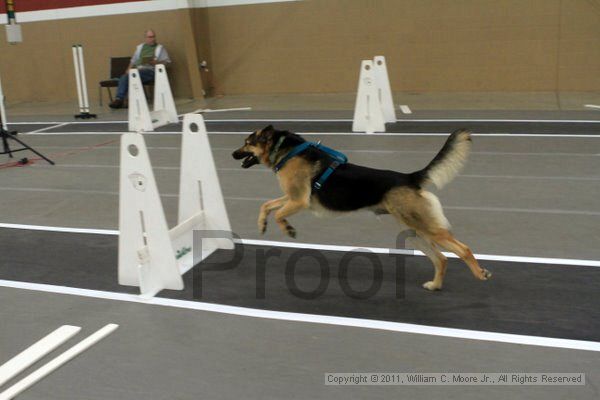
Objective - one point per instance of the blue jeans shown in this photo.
(146, 75)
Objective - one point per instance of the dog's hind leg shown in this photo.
(445, 239)
(266, 209)
(420, 242)
(422, 211)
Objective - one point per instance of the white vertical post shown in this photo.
(2, 109)
(86, 104)
(163, 97)
(384, 89)
(368, 116)
(78, 78)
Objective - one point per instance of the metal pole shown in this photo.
(86, 104)
(77, 78)
(2, 110)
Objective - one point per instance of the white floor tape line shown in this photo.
(331, 247)
(405, 109)
(57, 362)
(531, 121)
(312, 318)
(35, 352)
(356, 134)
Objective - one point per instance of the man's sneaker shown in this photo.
(116, 103)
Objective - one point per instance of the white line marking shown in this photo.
(315, 319)
(527, 121)
(48, 128)
(35, 352)
(35, 123)
(57, 362)
(261, 199)
(431, 153)
(380, 250)
(525, 210)
(210, 110)
(511, 135)
(266, 171)
(59, 229)
(513, 177)
(327, 247)
(66, 122)
(592, 106)
(405, 109)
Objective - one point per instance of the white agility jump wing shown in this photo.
(146, 256)
(141, 119)
(384, 89)
(201, 203)
(150, 255)
(368, 116)
(163, 97)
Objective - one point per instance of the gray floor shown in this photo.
(525, 196)
(518, 196)
(169, 353)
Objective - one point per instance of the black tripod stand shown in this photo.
(10, 135)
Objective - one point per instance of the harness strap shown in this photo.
(293, 153)
(338, 159)
(319, 183)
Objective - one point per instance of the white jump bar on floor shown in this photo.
(35, 352)
(57, 362)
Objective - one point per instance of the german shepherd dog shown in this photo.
(353, 187)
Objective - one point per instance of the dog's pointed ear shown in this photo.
(266, 133)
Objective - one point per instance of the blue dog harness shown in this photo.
(338, 159)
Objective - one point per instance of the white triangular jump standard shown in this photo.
(150, 255)
(384, 89)
(368, 116)
(141, 119)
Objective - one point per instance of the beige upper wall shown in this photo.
(430, 45)
(41, 68)
(316, 46)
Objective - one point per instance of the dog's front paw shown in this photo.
(291, 232)
(431, 285)
(485, 274)
(262, 226)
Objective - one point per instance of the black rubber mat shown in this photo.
(25, 128)
(529, 299)
(562, 128)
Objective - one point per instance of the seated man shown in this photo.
(146, 56)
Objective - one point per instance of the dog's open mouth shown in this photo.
(249, 161)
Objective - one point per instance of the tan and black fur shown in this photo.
(353, 187)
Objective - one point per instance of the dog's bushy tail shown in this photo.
(448, 162)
